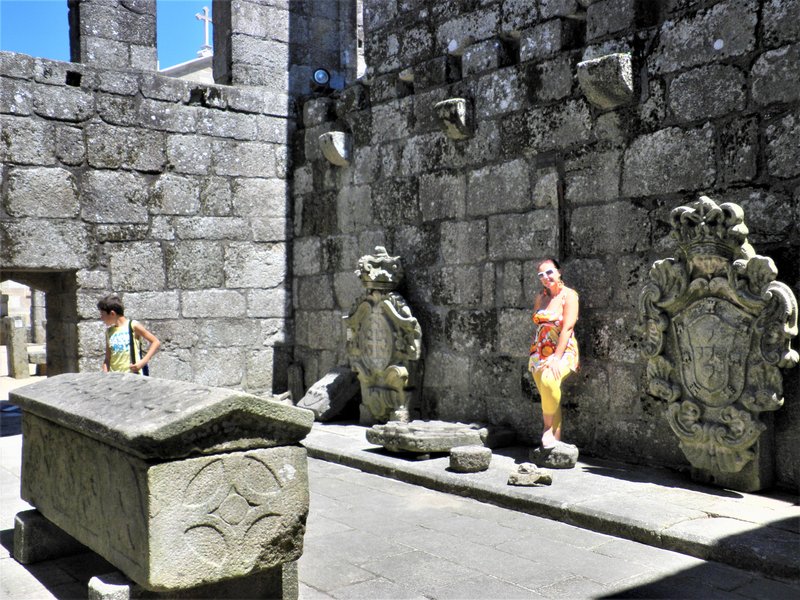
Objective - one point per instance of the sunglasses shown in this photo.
(548, 272)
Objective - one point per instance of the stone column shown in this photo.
(16, 348)
(37, 317)
(113, 33)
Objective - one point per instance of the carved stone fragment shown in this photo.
(528, 474)
(337, 147)
(384, 342)
(455, 117)
(426, 436)
(607, 81)
(328, 396)
(716, 329)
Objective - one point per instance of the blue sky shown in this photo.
(40, 28)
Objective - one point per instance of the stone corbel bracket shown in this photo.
(337, 147)
(455, 117)
(607, 81)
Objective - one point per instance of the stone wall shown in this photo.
(714, 109)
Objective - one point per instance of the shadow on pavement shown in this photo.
(713, 580)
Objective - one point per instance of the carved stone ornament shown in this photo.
(384, 342)
(455, 117)
(717, 328)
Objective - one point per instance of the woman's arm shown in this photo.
(154, 345)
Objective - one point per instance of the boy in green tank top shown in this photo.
(118, 338)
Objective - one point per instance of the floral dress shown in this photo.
(545, 341)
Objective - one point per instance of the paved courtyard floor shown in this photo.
(371, 536)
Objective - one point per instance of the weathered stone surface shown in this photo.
(255, 265)
(547, 38)
(707, 92)
(470, 459)
(253, 503)
(114, 197)
(560, 456)
(781, 22)
(783, 155)
(483, 56)
(528, 474)
(40, 192)
(514, 236)
(607, 81)
(213, 303)
(425, 436)
(668, 161)
(599, 229)
(329, 396)
(726, 30)
(609, 16)
(499, 189)
(771, 72)
(182, 421)
(22, 240)
(132, 266)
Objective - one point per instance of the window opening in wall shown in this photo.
(45, 305)
(39, 28)
(361, 66)
(184, 30)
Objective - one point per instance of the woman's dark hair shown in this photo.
(549, 259)
(111, 302)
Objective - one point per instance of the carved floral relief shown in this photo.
(716, 328)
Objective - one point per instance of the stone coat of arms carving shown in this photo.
(384, 341)
(717, 328)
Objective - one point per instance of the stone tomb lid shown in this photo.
(160, 418)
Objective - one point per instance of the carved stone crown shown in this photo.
(380, 271)
(706, 229)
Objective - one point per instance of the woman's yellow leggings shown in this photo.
(550, 390)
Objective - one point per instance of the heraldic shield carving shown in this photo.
(384, 342)
(717, 329)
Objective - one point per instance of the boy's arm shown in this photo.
(154, 345)
(107, 359)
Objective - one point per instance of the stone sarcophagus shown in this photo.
(717, 328)
(178, 485)
(384, 342)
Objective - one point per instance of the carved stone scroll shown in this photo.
(716, 329)
(384, 342)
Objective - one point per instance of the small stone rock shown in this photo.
(560, 456)
(470, 459)
(528, 474)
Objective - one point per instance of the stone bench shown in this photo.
(177, 485)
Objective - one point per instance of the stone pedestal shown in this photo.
(175, 484)
(426, 436)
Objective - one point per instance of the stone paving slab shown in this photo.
(654, 506)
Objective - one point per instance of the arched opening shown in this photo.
(184, 33)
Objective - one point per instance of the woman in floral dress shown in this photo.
(554, 349)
